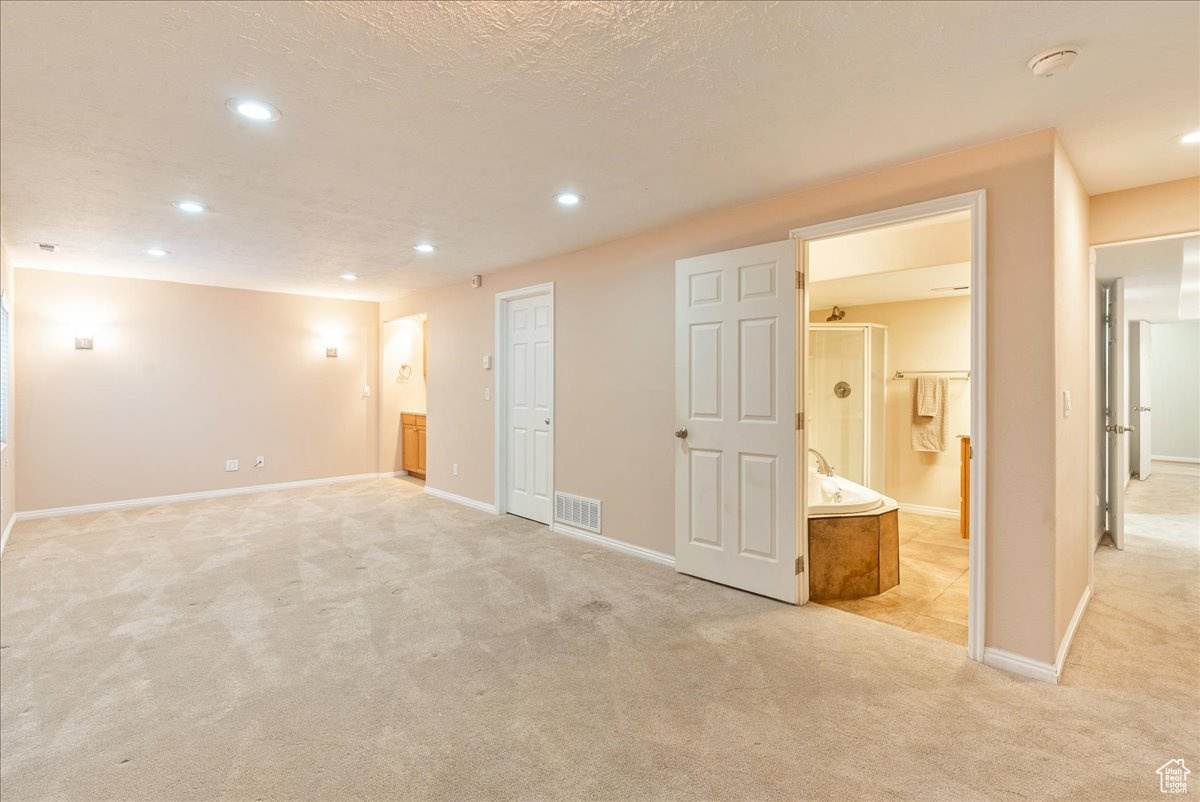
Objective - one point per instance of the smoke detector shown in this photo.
(1053, 61)
(48, 247)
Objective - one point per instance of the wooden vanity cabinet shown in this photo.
(413, 428)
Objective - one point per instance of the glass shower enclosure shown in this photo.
(846, 413)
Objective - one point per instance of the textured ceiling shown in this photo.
(458, 122)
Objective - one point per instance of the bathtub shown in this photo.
(835, 495)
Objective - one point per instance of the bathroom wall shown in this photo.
(1175, 390)
(401, 342)
(933, 334)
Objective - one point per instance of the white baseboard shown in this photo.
(56, 512)
(463, 500)
(1069, 635)
(7, 531)
(615, 545)
(1174, 459)
(932, 512)
(1020, 664)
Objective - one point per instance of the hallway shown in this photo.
(1139, 634)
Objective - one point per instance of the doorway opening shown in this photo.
(1147, 335)
(892, 351)
(525, 402)
(404, 370)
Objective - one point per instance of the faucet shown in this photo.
(823, 465)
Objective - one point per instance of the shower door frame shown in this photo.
(976, 203)
(865, 328)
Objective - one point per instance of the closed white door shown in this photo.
(1117, 419)
(1140, 388)
(736, 388)
(529, 389)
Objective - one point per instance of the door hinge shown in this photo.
(800, 564)
(799, 421)
(799, 280)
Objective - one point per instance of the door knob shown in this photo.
(1141, 409)
(547, 421)
(681, 434)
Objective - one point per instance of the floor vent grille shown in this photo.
(577, 511)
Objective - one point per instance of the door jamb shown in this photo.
(500, 344)
(976, 203)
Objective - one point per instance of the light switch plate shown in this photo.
(1066, 403)
(487, 362)
(231, 465)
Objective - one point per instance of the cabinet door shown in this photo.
(410, 449)
(421, 450)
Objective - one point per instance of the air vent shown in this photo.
(577, 511)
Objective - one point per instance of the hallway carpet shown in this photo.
(365, 641)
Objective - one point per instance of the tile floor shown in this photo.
(932, 595)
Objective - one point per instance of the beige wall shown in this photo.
(1075, 373)
(183, 377)
(8, 459)
(1157, 210)
(615, 362)
(934, 334)
(401, 341)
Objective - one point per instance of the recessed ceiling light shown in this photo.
(255, 110)
(157, 252)
(348, 277)
(567, 199)
(424, 247)
(1190, 138)
(189, 206)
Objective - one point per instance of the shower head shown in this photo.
(837, 314)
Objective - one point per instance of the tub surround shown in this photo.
(852, 556)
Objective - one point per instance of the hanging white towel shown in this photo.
(929, 421)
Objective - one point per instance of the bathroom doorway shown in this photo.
(403, 410)
(893, 412)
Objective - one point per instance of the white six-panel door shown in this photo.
(529, 386)
(736, 383)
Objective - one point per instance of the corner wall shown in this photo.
(1074, 370)
(8, 457)
(615, 362)
(183, 377)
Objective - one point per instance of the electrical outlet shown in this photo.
(456, 469)
(258, 462)
(231, 465)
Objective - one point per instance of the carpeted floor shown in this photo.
(366, 641)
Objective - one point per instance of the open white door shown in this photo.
(1139, 389)
(737, 502)
(1117, 417)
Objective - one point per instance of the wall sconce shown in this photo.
(84, 337)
